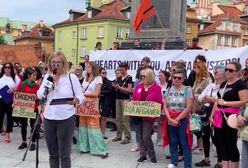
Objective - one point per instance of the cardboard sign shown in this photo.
(24, 105)
(89, 108)
(142, 109)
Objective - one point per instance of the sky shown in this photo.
(50, 11)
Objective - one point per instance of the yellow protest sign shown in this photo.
(142, 109)
(89, 108)
(24, 105)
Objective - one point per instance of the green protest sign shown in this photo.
(24, 105)
(142, 109)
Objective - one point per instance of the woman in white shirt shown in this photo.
(59, 120)
(208, 97)
(7, 78)
(90, 137)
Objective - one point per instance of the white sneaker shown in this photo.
(171, 166)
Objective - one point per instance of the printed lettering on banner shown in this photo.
(142, 109)
(89, 108)
(24, 105)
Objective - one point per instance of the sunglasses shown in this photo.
(56, 63)
(230, 70)
(104, 72)
(177, 77)
(142, 76)
(79, 70)
(7, 67)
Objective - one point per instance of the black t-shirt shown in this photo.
(123, 83)
(231, 91)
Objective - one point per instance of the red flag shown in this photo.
(145, 11)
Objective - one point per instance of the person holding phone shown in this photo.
(59, 120)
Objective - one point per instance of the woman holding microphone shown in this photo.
(59, 120)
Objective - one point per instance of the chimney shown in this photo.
(24, 27)
(41, 23)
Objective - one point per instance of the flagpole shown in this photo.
(163, 28)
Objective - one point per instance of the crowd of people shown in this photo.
(212, 97)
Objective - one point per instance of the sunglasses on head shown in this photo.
(177, 77)
(230, 70)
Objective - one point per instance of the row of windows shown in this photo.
(74, 51)
(100, 33)
(225, 40)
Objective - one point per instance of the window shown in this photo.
(74, 35)
(100, 33)
(188, 29)
(45, 33)
(128, 34)
(234, 41)
(84, 31)
(188, 41)
(73, 52)
(89, 14)
(71, 17)
(227, 40)
(227, 25)
(201, 26)
(235, 28)
(59, 36)
(219, 40)
(119, 32)
(83, 49)
(128, 15)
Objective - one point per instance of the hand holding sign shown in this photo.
(142, 109)
(89, 108)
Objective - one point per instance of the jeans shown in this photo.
(58, 134)
(244, 154)
(178, 135)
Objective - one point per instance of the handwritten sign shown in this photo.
(24, 105)
(89, 108)
(142, 108)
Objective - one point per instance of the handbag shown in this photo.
(195, 123)
(243, 133)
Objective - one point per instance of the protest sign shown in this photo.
(142, 109)
(163, 59)
(89, 108)
(24, 105)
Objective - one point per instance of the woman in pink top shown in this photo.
(147, 90)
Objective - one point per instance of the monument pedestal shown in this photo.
(172, 14)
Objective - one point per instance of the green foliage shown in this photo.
(2, 41)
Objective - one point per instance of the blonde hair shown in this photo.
(203, 71)
(95, 71)
(61, 55)
(149, 75)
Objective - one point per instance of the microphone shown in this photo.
(48, 85)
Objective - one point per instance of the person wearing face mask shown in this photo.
(59, 120)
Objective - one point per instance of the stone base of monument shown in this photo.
(172, 43)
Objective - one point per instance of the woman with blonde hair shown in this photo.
(59, 120)
(147, 90)
(90, 138)
(201, 82)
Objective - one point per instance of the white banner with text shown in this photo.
(163, 59)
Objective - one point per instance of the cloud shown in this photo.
(50, 11)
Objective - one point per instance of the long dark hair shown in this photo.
(39, 74)
(12, 73)
(27, 72)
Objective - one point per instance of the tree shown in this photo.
(2, 41)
